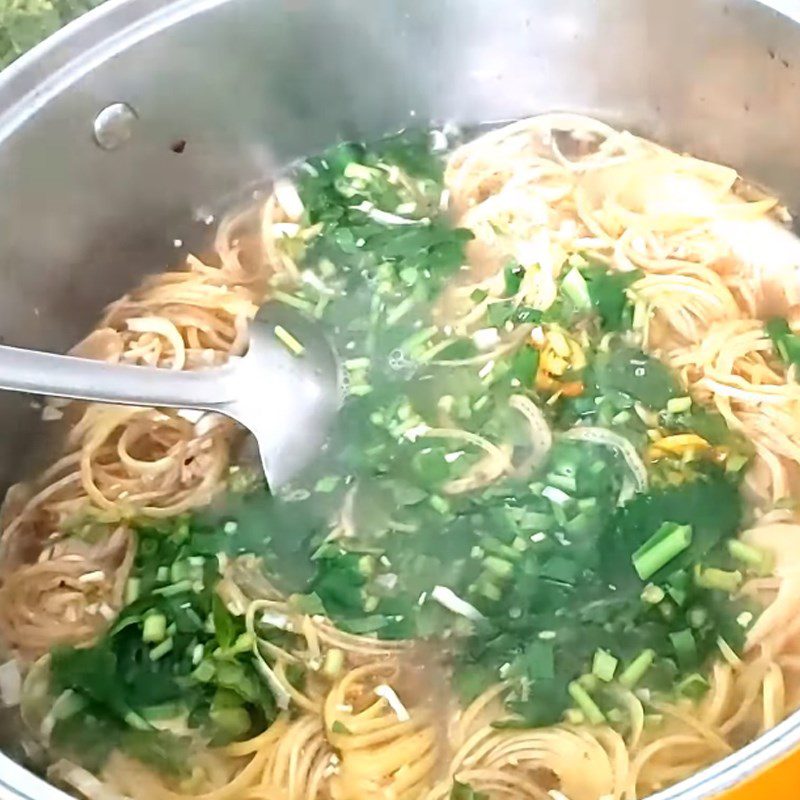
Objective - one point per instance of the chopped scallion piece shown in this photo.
(334, 661)
(498, 566)
(556, 495)
(566, 483)
(154, 628)
(697, 617)
(719, 579)
(677, 405)
(205, 672)
(286, 338)
(685, 648)
(652, 594)
(133, 588)
(234, 720)
(174, 588)
(585, 704)
(589, 682)
(197, 654)
(180, 571)
(604, 665)
(735, 462)
(575, 288)
(669, 541)
(478, 295)
(574, 716)
(160, 650)
(760, 560)
(693, 686)
(636, 670)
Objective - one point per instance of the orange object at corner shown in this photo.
(778, 782)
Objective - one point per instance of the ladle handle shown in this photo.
(84, 379)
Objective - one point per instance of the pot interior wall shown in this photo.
(226, 90)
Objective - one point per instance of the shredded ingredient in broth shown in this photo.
(175, 657)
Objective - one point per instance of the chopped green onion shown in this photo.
(439, 504)
(498, 566)
(371, 603)
(174, 588)
(243, 644)
(513, 275)
(588, 682)
(566, 483)
(356, 363)
(162, 574)
(133, 588)
(615, 716)
(693, 686)
(669, 541)
(636, 670)
(235, 721)
(677, 405)
(581, 525)
(180, 571)
(575, 288)
(489, 590)
(697, 617)
(400, 310)
(573, 716)
(735, 462)
(67, 704)
(154, 628)
(334, 661)
(720, 579)
(478, 295)
(160, 650)
(289, 341)
(761, 560)
(136, 721)
(652, 594)
(585, 703)
(556, 495)
(525, 365)
(685, 647)
(292, 300)
(744, 619)
(197, 654)
(205, 672)
(415, 344)
(604, 665)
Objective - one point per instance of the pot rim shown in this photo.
(87, 42)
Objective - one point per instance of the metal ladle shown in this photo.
(286, 395)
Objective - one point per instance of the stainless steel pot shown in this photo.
(219, 92)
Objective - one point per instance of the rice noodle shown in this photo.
(619, 444)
